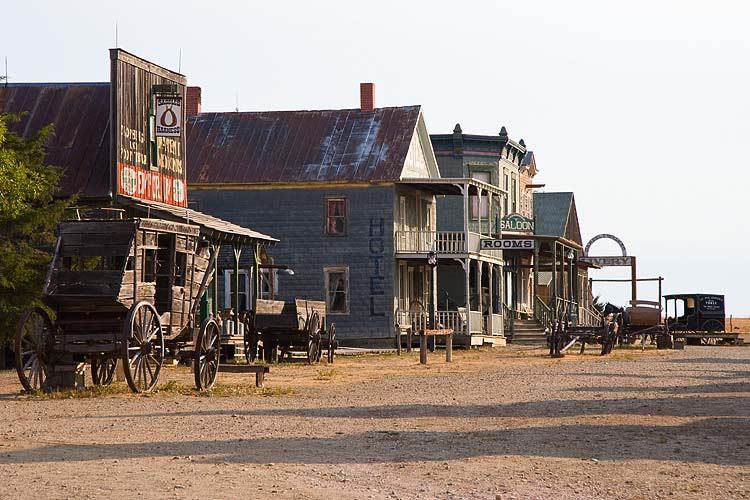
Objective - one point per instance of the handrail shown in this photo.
(589, 317)
(543, 313)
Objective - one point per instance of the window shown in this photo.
(229, 289)
(337, 289)
(513, 194)
(336, 216)
(480, 209)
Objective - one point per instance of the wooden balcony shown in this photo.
(441, 242)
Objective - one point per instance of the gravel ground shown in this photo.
(496, 424)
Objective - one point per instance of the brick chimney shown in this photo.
(193, 98)
(367, 97)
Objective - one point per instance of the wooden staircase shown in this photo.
(528, 332)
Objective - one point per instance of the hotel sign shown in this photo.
(517, 222)
(498, 244)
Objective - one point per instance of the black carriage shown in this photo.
(289, 326)
(122, 290)
(698, 318)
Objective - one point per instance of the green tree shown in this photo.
(29, 214)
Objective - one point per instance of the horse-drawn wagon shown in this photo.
(699, 318)
(121, 290)
(298, 325)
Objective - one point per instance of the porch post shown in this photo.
(256, 279)
(535, 286)
(236, 297)
(553, 304)
(490, 326)
(480, 265)
(215, 305)
(467, 269)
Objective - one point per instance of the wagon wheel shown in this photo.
(34, 338)
(608, 342)
(207, 354)
(143, 349)
(103, 370)
(313, 338)
(251, 343)
(331, 342)
(713, 326)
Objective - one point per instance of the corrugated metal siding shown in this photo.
(299, 146)
(80, 116)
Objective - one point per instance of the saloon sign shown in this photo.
(517, 222)
(496, 244)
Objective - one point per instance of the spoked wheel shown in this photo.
(609, 340)
(251, 344)
(207, 355)
(331, 342)
(143, 349)
(103, 370)
(313, 338)
(34, 338)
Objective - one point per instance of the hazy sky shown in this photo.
(641, 108)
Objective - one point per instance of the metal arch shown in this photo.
(608, 236)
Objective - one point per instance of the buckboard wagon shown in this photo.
(298, 325)
(122, 290)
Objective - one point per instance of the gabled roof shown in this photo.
(555, 215)
(79, 145)
(299, 146)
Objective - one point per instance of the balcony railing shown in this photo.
(441, 242)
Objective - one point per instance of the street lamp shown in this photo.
(432, 262)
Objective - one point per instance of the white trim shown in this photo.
(228, 276)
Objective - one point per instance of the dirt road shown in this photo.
(503, 424)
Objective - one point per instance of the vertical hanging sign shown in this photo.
(168, 116)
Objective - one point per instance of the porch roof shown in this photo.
(452, 186)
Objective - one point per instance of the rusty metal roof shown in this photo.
(210, 226)
(299, 146)
(80, 142)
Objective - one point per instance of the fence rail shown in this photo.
(441, 242)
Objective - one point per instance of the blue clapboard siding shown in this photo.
(297, 217)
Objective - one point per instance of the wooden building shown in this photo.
(122, 146)
(352, 193)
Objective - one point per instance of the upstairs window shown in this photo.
(480, 209)
(336, 216)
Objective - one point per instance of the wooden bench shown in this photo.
(441, 332)
(259, 371)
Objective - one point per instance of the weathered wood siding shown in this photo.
(297, 218)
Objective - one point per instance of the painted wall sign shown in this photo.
(608, 261)
(712, 303)
(497, 244)
(377, 275)
(148, 158)
(168, 121)
(517, 222)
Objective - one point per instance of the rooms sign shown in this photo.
(498, 244)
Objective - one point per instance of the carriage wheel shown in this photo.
(143, 349)
(34, 337)
(331, 342)
(103, 370)
(313, 338)
(207, 354)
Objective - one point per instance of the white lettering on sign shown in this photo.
(608, 261)
(168, 116)
(495, 244)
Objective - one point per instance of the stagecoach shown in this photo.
(120, 290)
